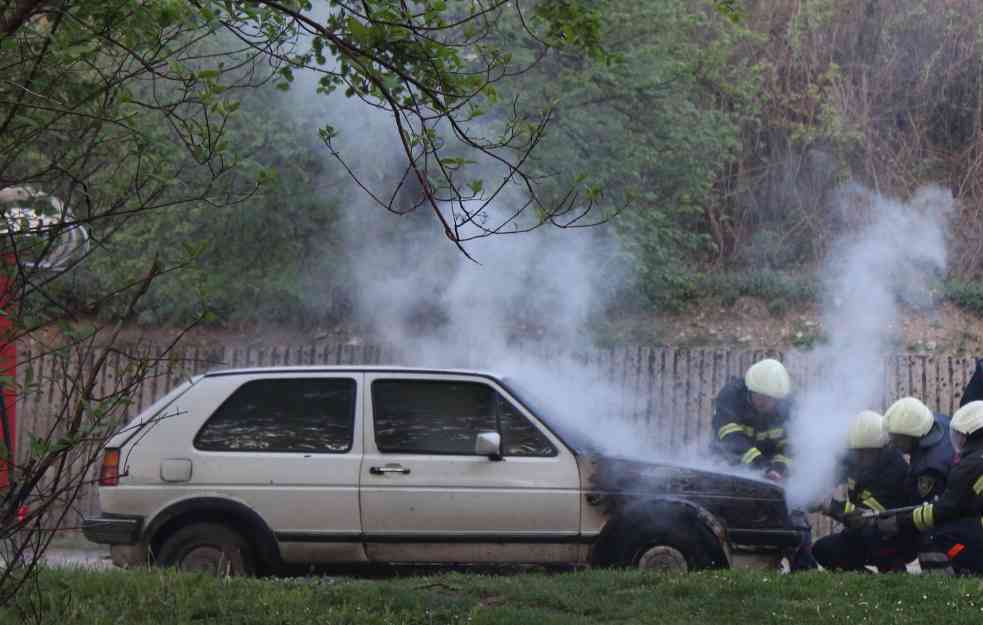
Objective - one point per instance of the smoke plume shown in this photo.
(525, 307)
(896, 249)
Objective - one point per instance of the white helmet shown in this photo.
(908, 416)
(968, 419)
(867, 431)
(768, 377)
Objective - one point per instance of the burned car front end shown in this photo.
(748, 518)
(683, 514)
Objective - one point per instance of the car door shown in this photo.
(426, 496)
(289, 446)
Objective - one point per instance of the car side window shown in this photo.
(284, 415)
(519, 436)
(445, 417)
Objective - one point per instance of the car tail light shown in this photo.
(21, 515)
(109, 474)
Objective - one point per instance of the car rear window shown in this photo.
(445, 417)
(284, 415)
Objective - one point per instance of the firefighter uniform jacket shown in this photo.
(879, 487)
(931, 461)
(744, 436)
(974, 388)
(963, 496)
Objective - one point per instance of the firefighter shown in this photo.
(749, 422)
(874, 480)
(915, 431)
(750, 419)
(974, 388)
(951, 529)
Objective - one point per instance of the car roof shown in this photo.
(349, 368)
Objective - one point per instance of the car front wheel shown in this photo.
(664, 558)
(208, 548)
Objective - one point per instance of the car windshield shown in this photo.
(541, 407)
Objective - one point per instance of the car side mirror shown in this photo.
(489, 444)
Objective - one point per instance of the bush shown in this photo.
(780, 290)
(966, 294)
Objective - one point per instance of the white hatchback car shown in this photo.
(246, 471)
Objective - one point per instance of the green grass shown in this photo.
(596, 597)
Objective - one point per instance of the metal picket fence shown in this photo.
(666, 393)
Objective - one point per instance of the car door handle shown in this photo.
(389, 468)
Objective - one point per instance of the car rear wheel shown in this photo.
(208, 548)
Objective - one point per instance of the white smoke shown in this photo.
(524, 309)
(890, 259)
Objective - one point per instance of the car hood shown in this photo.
(738, 501)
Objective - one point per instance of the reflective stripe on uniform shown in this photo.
(848, 506)
(728, 429)
(872, 503)
(923, 517)
(750, 455)
(773, 433)
(781, 458)
(978, 486)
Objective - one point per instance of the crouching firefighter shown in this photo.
(951, 528)
(915, 431)
(874, 476)
(750, 424)
(750, 419)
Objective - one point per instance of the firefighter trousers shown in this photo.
(958, 544)
(854, 549)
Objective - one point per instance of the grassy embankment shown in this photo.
(713, 598)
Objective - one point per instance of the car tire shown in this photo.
(208, 548)
(669, 552)
(640, 543)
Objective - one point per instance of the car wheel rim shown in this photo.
(213, 560)
(663, 558)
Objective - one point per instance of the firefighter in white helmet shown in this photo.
(952, 527)
(750, 430)
(750, 419)
(872, 479)
(924, 436)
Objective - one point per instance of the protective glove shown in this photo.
(856, 520)
(888, 526)
(779, 468)
(833, 505)
(775, 476)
